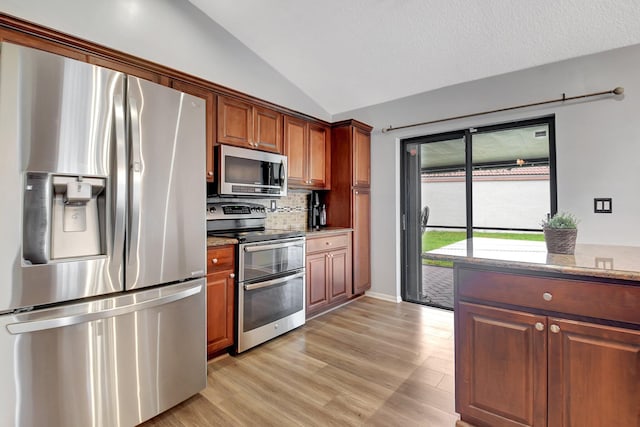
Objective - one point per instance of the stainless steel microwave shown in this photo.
(245, 172)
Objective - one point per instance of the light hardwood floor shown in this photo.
(370, 362)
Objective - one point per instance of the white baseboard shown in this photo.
(384, 297)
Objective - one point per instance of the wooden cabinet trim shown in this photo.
(23, 32)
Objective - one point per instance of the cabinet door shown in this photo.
(210, 99)
(361, 241)
(361, 158)
(267, 130)
(316, 275)
(220, 310)
(319, 156)
(295, 147)
(339, 272)
(594, 375)
(501, 366)
(235, 122)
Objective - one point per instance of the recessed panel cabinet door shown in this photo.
(235, 122)
(361, 241)
(319, 155)
(594, 375)
(501, 365)
(295, 150)
(316, 271)
(361, 158)
(267, 133)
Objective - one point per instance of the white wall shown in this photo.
(597, 145)
(496, 203)
(173, 33)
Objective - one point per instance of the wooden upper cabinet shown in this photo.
(361, 158)
(267, 129)
(246, 125)
(319, 155)
(235, 122)
(210, 100)
(308, 150)
(295, 149)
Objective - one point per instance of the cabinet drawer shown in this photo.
(326, 243)
(220, 258)
(616, 302)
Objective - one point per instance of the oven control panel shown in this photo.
(230, 210)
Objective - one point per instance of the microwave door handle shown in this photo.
(281, 173)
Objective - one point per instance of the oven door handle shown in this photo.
(259, 248)
(254, 286)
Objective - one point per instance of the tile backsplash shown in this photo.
(291, 211)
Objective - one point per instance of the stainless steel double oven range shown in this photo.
(271, 272)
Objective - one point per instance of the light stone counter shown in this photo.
(613, 262)
(221, 241)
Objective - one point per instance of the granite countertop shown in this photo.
(221, 241)
(615, 262)
(326, 230)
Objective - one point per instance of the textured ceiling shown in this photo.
(347, 54)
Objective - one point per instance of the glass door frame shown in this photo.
(410, 218)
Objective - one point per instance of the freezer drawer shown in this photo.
(109, 362)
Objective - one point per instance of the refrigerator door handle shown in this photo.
(120, 210)
(90, 316)
(134, 196)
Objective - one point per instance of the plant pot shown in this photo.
(560, 240)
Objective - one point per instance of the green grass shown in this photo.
(436, 239)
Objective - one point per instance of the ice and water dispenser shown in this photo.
(63, 217)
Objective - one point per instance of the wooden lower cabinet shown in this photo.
(520, 366)
(502, 362)
(328, 271)
(220, 297)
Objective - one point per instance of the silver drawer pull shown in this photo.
(214, 260)
(547, 296)
(539, 326)
(554, 328)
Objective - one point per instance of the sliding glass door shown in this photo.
(495, 182)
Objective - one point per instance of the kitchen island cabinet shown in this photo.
(545, 339)
(220, 297)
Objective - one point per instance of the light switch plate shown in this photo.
(602, 205)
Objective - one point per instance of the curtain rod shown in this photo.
(617, 91)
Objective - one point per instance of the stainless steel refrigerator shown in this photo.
(102, 244)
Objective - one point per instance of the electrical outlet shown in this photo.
(273, 206)
(602, 205)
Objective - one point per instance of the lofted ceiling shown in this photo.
(348, 54)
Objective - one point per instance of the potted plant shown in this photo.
(560, 232)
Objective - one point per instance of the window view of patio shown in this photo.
(491, 183)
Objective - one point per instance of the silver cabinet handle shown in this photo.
(539, 326)
(273, 282)
(554, 328)
(232, 275)
(214, 260)
(547, 296)
(210, 173)
(261, 247)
